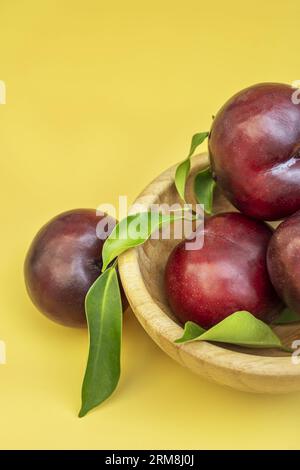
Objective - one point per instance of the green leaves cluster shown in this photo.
(204, 184)
(134, 230)
(241, 328)
(103, 307)
(183, 168)
(103, 303)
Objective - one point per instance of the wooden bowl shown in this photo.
(142, 270)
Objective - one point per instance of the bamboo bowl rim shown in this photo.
(164, 330)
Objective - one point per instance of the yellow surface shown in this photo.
(101, 97)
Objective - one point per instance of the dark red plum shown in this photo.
(254, 148)
(228, 274)
(62, 263)
(283, 260)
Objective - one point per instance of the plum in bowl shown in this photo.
(142, 272)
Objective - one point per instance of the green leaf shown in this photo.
(181, 175)
(287, 316)
(197, 140)
(104, 316)
(241, 328)
(184, 167)
(191, 331)
(204, 186)
(135, 230)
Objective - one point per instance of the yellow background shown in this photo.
(101, 97)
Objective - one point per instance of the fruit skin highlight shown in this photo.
(283, 259)
(228, 274)
(62, 263)
(254, 148)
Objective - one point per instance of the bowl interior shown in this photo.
(153, 256)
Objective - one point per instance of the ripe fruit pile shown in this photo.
(254, 149)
